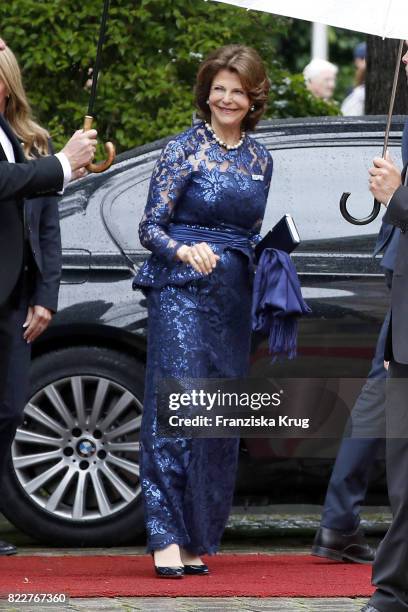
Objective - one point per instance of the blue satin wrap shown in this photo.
(277, 302)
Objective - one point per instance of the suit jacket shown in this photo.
(387, 242)
(43, 237)
(44, 240)
(404, 145)
(397, 215)
(23, 179)
(388, 236)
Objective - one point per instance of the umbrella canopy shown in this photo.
(385, 18)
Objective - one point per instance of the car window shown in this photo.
(80, 222)
(123, 206)
(308, 182)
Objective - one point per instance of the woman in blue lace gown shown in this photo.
(202, 219)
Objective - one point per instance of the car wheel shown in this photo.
(73, 478)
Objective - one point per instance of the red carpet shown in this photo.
(232, 575)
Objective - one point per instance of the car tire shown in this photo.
(89, 369)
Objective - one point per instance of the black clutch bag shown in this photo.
(283, 236)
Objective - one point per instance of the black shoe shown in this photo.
(196, 570)
(7, 549)
(369, 608)
(339, 546)
(168, 572)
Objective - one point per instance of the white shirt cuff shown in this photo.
(66, 168)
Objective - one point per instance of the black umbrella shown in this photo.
(88, 121)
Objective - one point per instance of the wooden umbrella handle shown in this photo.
(109, 148)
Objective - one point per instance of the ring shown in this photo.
(197, 258)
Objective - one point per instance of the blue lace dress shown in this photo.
(198, 326)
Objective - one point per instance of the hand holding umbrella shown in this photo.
(385, 178)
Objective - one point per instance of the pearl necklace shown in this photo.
(221, 142)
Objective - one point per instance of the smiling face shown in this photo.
(228, 101)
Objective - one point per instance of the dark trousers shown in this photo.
(350, 477)
(5, 343)
(390, 570)
(13, 398)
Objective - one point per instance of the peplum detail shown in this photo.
(157, 272)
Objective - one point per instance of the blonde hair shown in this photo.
(18, 111)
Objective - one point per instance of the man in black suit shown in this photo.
(20, 179)
(339, 536)
(33, 303)
(390, 571)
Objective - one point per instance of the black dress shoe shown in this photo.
(169, 572)
(369, 608)
(7, 549)
(339, 546)
(196, 570)
(164, 571)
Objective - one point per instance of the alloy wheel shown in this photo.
(77, 452)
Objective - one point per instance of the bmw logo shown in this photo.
(86, 448)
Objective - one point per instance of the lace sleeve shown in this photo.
(168, 181)
(255, 235)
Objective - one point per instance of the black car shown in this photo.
(74, 477)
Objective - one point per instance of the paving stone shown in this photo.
(28, 607)
(215, 604)
(153, 604)
(194, 604)
(97, 603)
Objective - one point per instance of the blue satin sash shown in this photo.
(277, 298)
(193, 233)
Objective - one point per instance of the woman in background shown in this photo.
(202, 219)
(354, 103)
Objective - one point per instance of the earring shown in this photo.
(252, 108)
(207, 101)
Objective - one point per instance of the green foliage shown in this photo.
(150, 59)
(290, 98)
